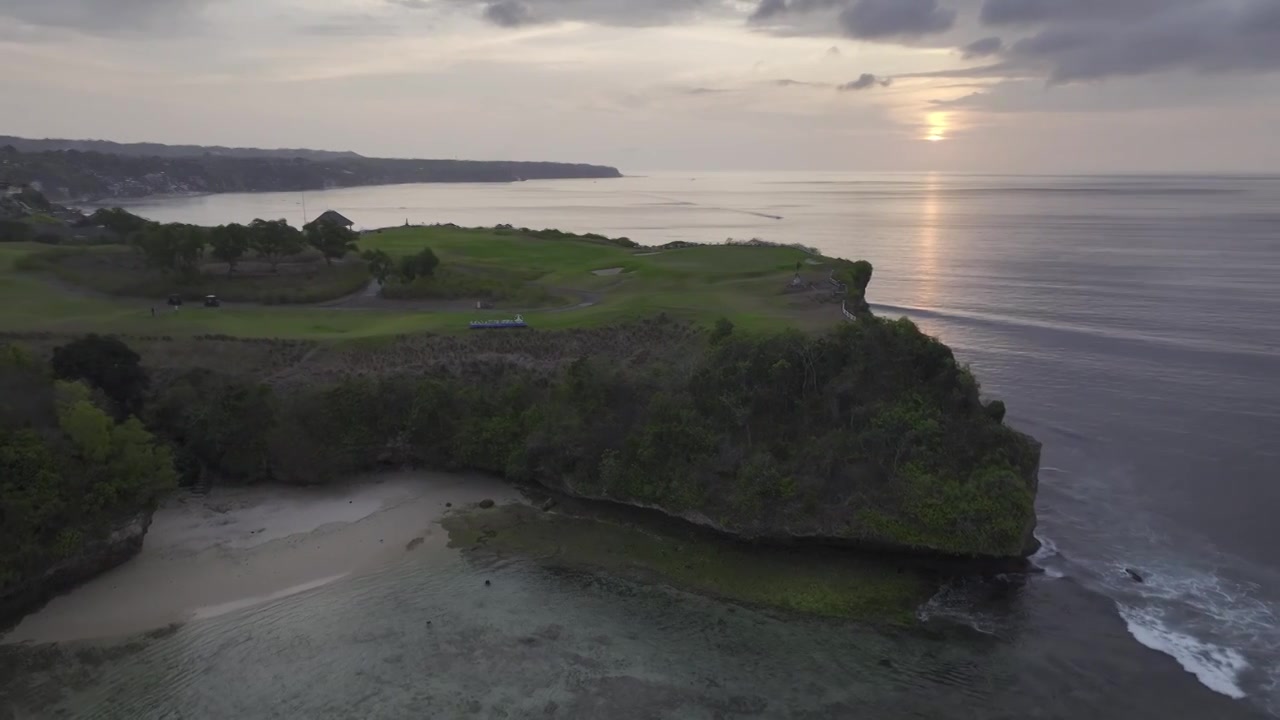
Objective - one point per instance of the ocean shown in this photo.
(1130, 323)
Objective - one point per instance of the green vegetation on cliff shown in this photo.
(69, 472)
(870, 434)
(555, 279)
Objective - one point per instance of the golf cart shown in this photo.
(212, 301)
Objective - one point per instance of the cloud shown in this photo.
(864, 82)
(1023, 12)
(861, 19)
(985, 47)
(102, 17)
(878, 19)
(623, 13)
(1081, 40)
(508, 13)
(768, 9)
(361, 25)
(999, 70)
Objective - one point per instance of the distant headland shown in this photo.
(92, 170)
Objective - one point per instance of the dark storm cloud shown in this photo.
(1076, 40)
(865, 82)
(985, 47)
(101, 16)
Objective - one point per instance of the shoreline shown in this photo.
(240, 547)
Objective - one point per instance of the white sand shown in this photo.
(239, 547)
(607, 271)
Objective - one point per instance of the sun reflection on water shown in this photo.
(927, 244)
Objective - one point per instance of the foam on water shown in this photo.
(212, 611)
(1046, 558)
(1218, 668)
(1214, 627)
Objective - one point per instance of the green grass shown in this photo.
(112, 270)
(700, 284)
(834, 584)
(455, 282)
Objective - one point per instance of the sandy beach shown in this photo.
(238, 547)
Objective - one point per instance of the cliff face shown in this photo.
(845, 514)
(871, 435)
(78, 176)
(122, 541)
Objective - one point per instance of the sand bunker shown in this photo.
(607, 271)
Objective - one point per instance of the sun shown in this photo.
(938, 124)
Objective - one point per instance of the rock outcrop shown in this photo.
(119, 544)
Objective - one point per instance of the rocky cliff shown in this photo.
(870, 435)
(118, 544)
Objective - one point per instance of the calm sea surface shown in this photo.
(1132, 324)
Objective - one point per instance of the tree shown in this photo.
(380, 265)
(273, 240)
(34, 198)
(173, 246)
(189, 242)
(216, 422)
(105, 363)
(423, 264)
(996, 410)
(229, 243)
(14, 231)
(722, 331)
(117, 220)
(862, 272)
(332, 240)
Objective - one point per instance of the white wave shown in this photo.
(1218, 668)
(1048, 548)
(1044, 558)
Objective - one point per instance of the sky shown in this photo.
(1038, 86)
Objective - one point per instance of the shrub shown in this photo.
(105, 363)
